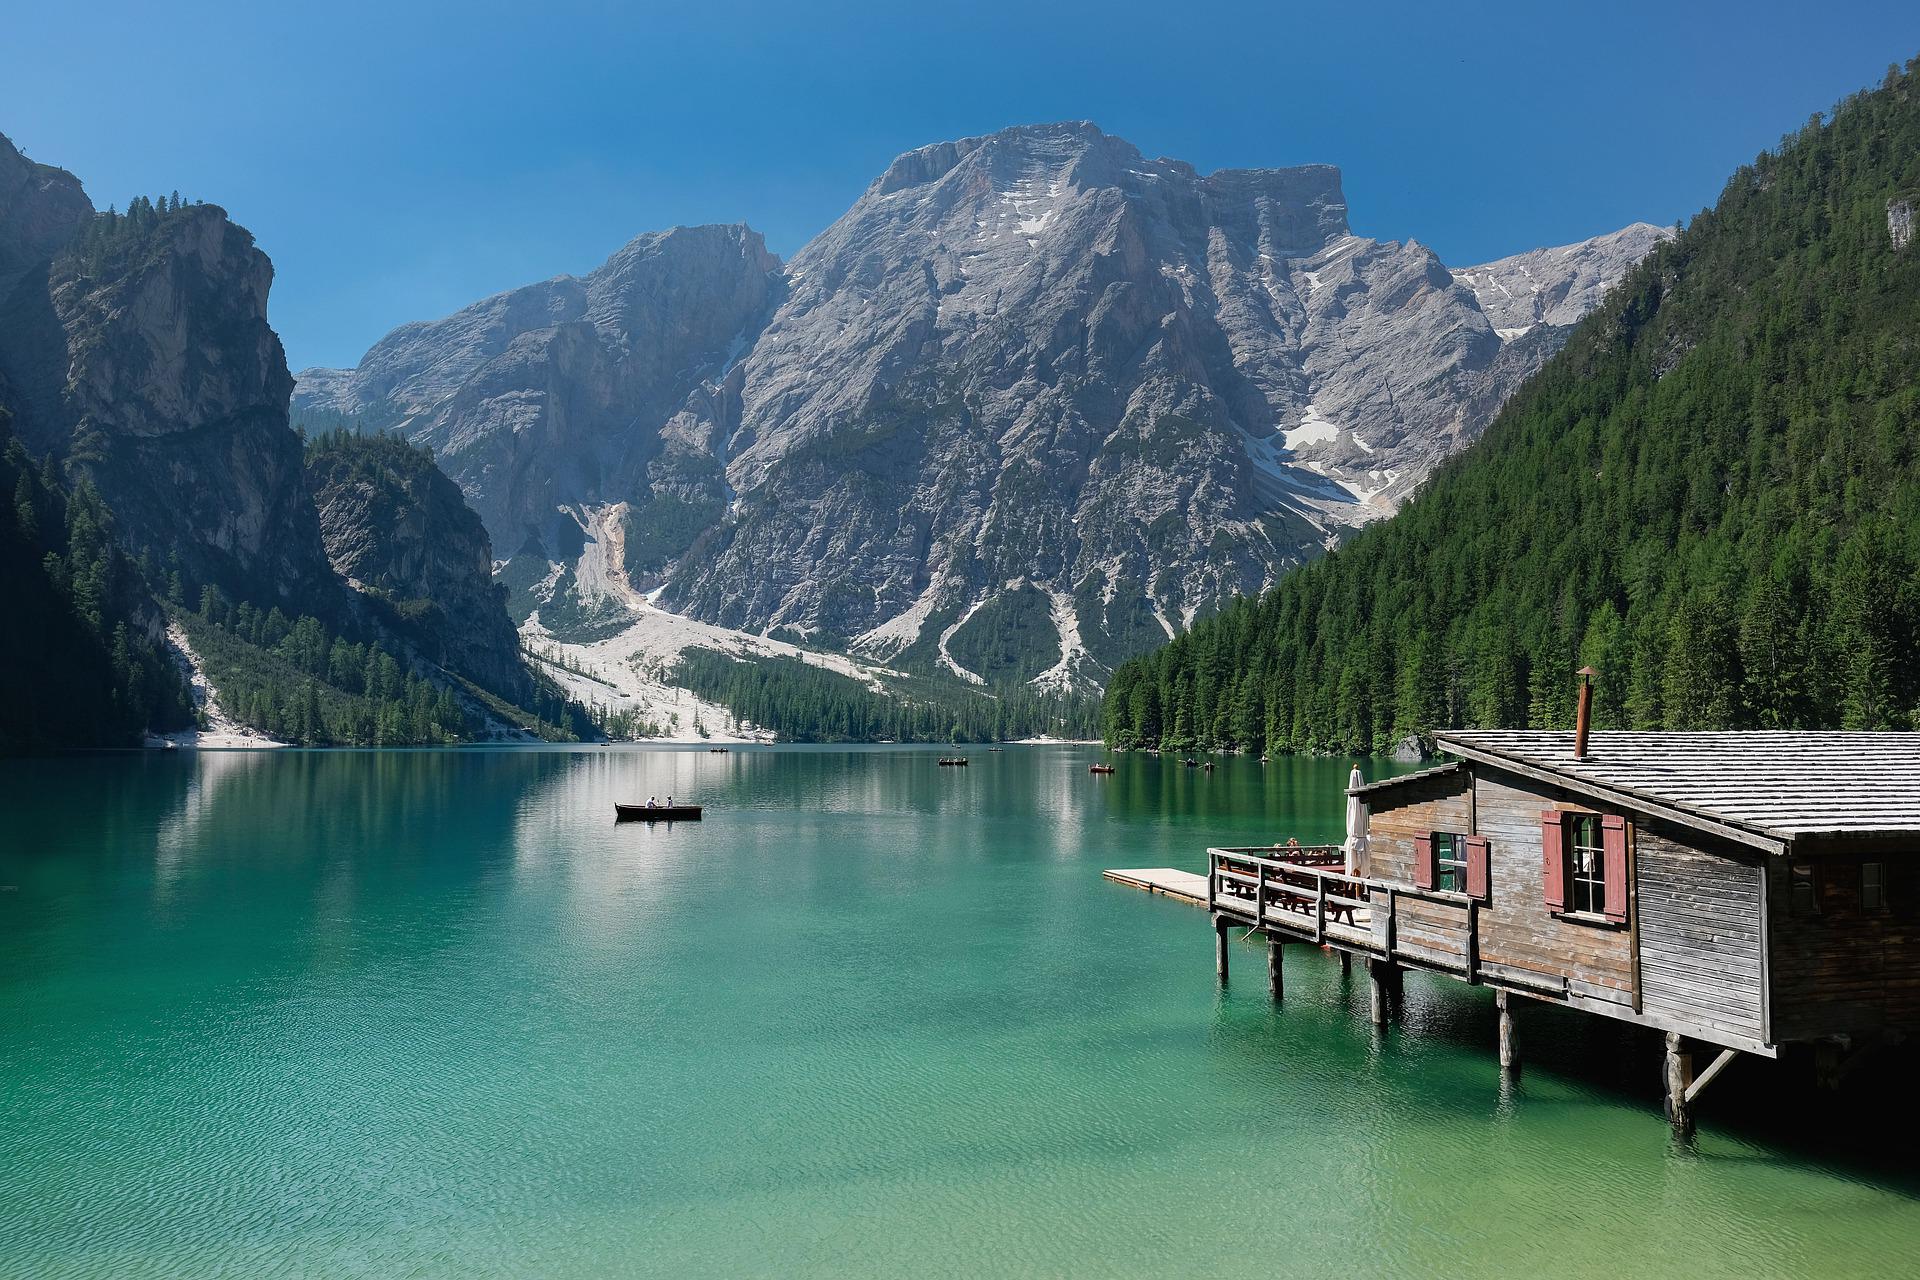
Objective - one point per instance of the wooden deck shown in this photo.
(1183, 885)
(1302, 894)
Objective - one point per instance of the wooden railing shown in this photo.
(1297, 887)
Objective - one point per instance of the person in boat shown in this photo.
(651, 804)
(669, 802)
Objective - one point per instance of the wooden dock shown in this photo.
(1183, 885)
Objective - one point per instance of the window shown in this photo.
(1587, 883)
(1804, 889)
(1450, 861)
(1873, 886)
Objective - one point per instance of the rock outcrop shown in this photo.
(1560, 285)
(1032, 405)
(398, 530)
(553, 396)
(136, 347)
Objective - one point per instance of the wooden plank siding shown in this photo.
(1699, 928)
(1430, 931)
(1689, 952)
(1847, 970)
(1518, 930)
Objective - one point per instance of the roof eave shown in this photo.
(1761, 838)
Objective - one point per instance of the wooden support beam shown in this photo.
(1377, 979)
(1714, 1068)
(1276, 982)
(1221, 925)
(1346, 963)
(1509, 1051)
(1679, 1076)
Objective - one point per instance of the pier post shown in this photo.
(1378, 978)
(1220, 928)
(1509, 1051)
(1276, 981)
(1679, 1077)
(1346, 963)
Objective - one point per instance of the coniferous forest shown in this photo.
(805, 703)
(78, 642)
(1711, 495)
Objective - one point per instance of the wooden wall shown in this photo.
(1439, 803)
(1694, 919)
(1516, 929)
(1699, 902)
(1846, 970)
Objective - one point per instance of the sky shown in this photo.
(398, 161)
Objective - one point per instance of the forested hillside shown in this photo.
(805, 703)
(1711, 495)
(77, 644)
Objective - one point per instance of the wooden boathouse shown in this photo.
(1740, 892)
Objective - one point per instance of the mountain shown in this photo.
(1559, 286)
(1711, 495)
(138, 350)
(162, 501)
(1033, 404)
(396, 528)
(552, 396)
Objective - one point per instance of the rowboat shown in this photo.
(956, 762)
(1099, 768)
(658, 813)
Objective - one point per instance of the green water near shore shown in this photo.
(432, 1013)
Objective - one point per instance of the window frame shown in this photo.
(1449, 861)
(1880, 905)
(1586, 892)
(1803, 874)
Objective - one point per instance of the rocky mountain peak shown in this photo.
(1559, 285)
(40, 209)
(1034, 402)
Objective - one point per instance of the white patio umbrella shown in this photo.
(1356, 826)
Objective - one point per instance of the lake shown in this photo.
(432, 1013)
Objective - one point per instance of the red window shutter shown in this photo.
(1553, 860)
(1613, 847)
(1477, 870)
(1423, 862)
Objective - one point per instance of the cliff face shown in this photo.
(40, 209)
(1033, 404)
(552, 396)
(136, 346)
(398, 530)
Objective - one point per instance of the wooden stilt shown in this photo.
(1220, 927)
(1276, 983)
(1346, 963)
(1509, 1051)
(1377, 980)
(1679, 1077)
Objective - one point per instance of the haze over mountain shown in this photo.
(1033, 404)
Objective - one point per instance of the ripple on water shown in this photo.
(869, 1019)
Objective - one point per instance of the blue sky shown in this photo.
(398, 160)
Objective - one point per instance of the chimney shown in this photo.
(1584, 716)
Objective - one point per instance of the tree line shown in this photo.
(80, 644)
(800, 702)
(1711, 495)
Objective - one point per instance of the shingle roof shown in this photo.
(1778, 785)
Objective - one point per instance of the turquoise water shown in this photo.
(432, 1013)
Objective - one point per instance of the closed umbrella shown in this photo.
(1356, 826)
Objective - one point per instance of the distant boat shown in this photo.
(1191, 763)
(1099, 768)
(658, 813)
(716, 750)
(956, 761)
